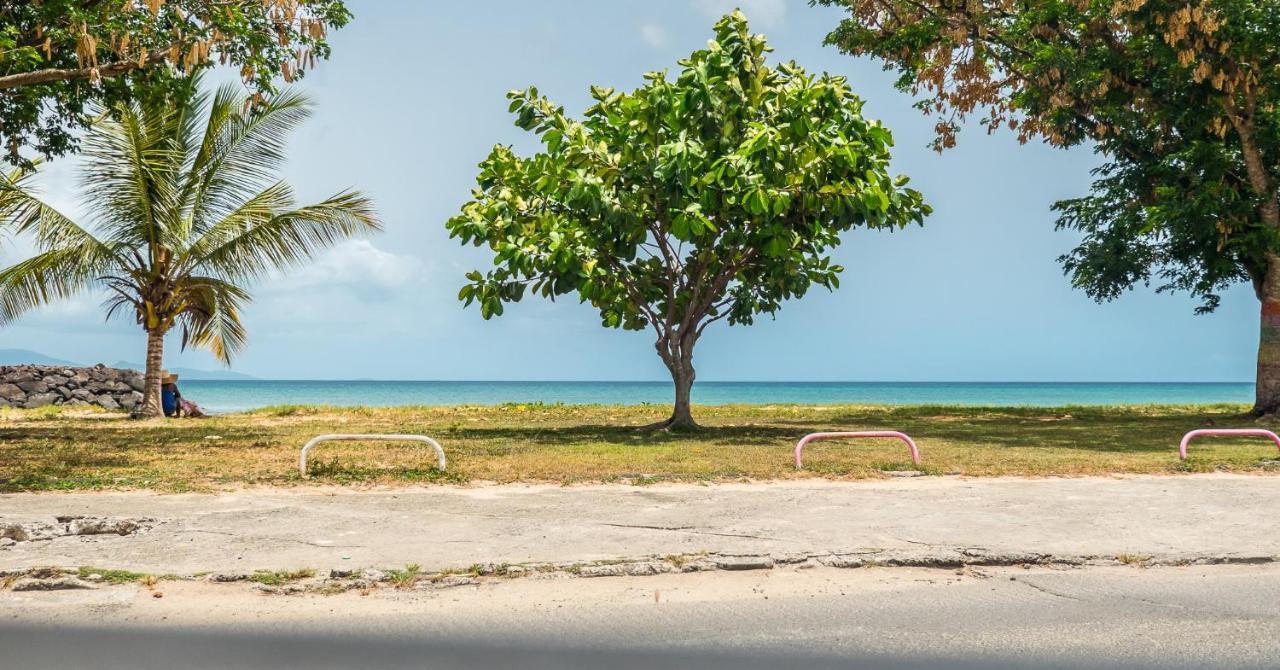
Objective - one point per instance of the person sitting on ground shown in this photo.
(172, 402)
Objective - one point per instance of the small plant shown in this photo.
(114, 576)
(281, 577)
(405, 578)
(149, 581)
(1132, 559)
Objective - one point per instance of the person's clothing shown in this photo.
(191, 409)
(169, 400)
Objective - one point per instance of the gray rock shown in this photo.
(33, 386)
(12, 392)
(55, 380)
(41, 400)
(136, 382)
(50, 584)
(107, 402)
(371, 575)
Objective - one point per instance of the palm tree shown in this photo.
(186, 209)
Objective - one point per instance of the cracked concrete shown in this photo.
(924, 521)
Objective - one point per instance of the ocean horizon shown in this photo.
(241, 395)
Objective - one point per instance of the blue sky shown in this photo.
(413, 99)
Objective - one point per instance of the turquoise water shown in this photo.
(231, 396)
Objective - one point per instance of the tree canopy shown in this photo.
(186, 211)
(58, 57)
(718, 194)
(1178, 96)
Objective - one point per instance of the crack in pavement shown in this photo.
(1049, 591)
(689, 529)
(268, 539)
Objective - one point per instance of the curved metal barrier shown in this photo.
(915, 453)
(302, 460)
(1244, 432)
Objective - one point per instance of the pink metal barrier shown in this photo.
(1241, 432)
(915, 453)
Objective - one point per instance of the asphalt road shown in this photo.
(1099, 617)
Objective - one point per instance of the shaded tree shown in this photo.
(716, 195)
(1179, 97)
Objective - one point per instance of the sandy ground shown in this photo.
(1197, 517)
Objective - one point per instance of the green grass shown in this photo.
(62, 451)
(281, 577)
(113, 576)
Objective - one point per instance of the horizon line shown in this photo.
(709, 381)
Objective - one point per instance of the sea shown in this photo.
(236, 396)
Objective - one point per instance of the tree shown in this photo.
(1179, 97)
(714, 196)
(186, 209)
(58, 57)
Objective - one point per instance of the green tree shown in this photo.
(185, 210)
(1179, 97)
(714, 196)
(58, 57)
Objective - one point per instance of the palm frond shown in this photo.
(241, 152)
(52, 275)
(245, 248)
(130, 175)
(211, 318)
(23, 211)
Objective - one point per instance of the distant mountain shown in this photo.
(26, 356)
(190, 374)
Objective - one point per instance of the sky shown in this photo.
(413, 99)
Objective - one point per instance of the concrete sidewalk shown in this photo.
(1196, 518)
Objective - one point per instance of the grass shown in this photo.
(51, 451)
(281, 577)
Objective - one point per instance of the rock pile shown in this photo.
(31, 386)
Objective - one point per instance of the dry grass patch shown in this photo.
(48, 450)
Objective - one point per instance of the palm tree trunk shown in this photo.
(151, 406)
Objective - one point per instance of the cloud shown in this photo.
(355, 265)
(765, 14)
(653, 34)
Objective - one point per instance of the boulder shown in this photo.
(34, 386)
(12, 392)
(106, 401)
(55, 381)
(136, 382)
(41, 400)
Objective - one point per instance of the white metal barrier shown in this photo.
(302, 460)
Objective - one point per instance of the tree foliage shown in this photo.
(1179, 96)
(57, 57)
(186, 209)
(718, 194)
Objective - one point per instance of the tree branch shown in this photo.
(59, 74)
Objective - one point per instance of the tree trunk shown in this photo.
(681, 416)
(677, 355)
(1267, 392)
(151, 406)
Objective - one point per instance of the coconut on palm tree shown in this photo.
(185, 209)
